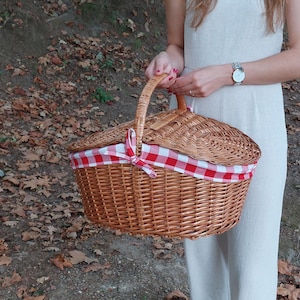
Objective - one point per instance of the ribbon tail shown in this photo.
(149, 171)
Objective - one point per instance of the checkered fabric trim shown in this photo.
(154, 155)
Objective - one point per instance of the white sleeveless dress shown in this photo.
(241, 264)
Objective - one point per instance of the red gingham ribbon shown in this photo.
(161, 157)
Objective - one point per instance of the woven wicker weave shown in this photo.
(124, 197)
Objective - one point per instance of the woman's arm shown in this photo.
(171, 60)
(284, 66)
(281, 67)
(175, 16)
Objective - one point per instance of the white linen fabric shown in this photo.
(241, 264)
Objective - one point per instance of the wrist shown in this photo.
(226, 72)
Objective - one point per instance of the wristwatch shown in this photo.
(238, 73)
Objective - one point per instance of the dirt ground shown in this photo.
(66, 71)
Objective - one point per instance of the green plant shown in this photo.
(5, 15)
(102, 96)
(137, 44)
(90, 78)
(4, 139)
(106, 64)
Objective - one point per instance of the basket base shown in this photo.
(173, 205)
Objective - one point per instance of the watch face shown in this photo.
(238, 75)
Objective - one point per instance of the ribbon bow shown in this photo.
(131, 154)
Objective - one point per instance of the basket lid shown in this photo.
(180, 130)
(183, 131)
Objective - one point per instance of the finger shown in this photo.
(160, 64)
(150, 70)
(169, 80)
(182, 89)
(183, 82)
(156, 66)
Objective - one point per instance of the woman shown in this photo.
(228, 54)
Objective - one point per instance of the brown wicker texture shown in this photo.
(121, 196)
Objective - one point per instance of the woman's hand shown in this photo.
(159, 65)
(203, 82)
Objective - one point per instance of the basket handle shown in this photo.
(144, 100)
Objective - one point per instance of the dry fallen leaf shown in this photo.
(5, 260)
(176, 295)
(98, 252)
(37, 182)
(34, 297)
(295, 294)
(76, 226)
(32, 156)
(8, 281)
(10, 223)
(21, 291)
(42, 279)
(56, 60)
(24, 166)
(51, 249)
(84, 64)
(19, 211)
(13, 180)
(77, 257)
(44, 60)
(61, 262)
(18, 72)
(94, 267)
(30, 235)
(285, 268)
(19, 91)
(9, 67)
(3, 246)
(162, 254)
(25, 294)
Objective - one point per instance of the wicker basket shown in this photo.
(192, 182)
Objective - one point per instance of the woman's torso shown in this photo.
(235, 31)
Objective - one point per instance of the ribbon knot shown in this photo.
(130, 154)
(133, 158)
